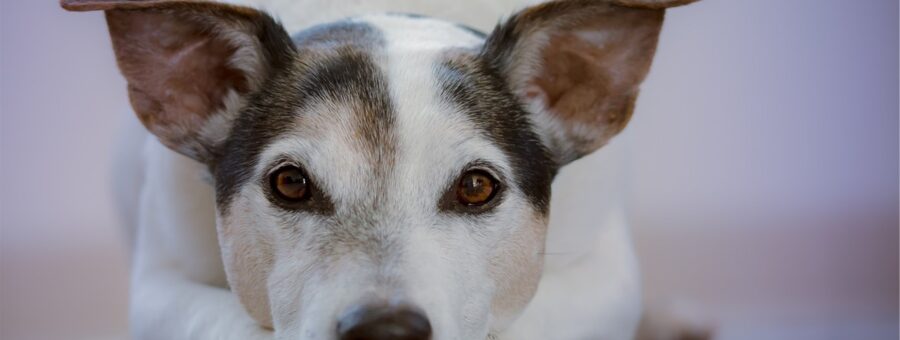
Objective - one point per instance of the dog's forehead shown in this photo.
(375, 100)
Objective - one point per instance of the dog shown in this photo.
(380, 176)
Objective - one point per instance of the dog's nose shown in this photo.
(384, 323)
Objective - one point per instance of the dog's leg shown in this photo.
(166, 305)
(178, 279)
(674, 321)
(597, 297)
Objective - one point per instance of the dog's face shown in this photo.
(402, 172)
(386, 176)
(384, 166)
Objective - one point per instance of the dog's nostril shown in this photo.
(384, 323)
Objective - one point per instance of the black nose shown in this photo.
(384, 323)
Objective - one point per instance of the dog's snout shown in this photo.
(380, 322)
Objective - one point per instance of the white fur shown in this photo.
(179, 287)
(434, 142)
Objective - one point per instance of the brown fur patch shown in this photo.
(183, 58)
(178, 74)
(594, 84)
(584, 60)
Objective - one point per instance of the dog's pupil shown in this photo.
(475, 188)
(291, 183)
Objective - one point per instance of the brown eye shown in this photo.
(290, 184)
(476, 187)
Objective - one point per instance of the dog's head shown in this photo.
(389, 174)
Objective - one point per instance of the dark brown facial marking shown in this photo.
(289, 184)
(477, 90)
(475, 188)
(332, 63)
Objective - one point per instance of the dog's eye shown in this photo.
(476, 187)
(290, 184)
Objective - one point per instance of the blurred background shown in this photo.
(762, 183)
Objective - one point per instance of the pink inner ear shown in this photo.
(581, 79)
(581, 89)
(589, 75)
(177, 70)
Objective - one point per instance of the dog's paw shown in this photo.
(690, 333)
(675, 321)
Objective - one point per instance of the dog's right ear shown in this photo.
(190, 65)
(577, 65)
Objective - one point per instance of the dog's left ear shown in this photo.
(576, 66)
(190, 65)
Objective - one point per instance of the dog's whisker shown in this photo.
(556, 253)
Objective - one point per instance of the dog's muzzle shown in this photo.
(382, 322)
